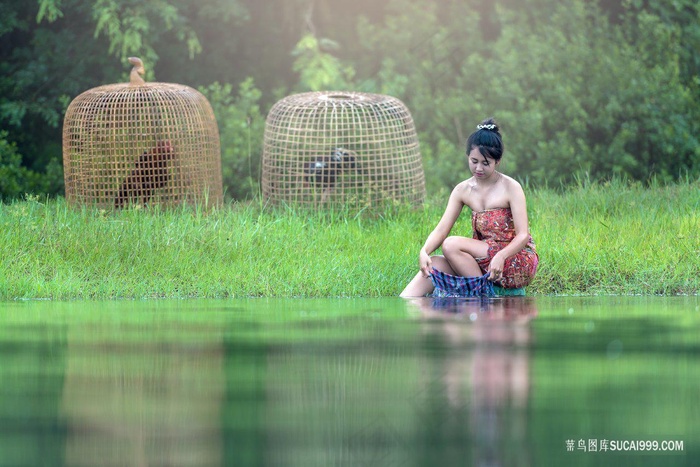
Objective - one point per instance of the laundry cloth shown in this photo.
(448, 285)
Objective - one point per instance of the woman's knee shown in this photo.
(442, 264)
(456, 248)
(452, 246)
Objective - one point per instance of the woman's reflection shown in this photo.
(481, 349)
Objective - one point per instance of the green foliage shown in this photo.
(241, 128)
(16, 180)
(52, 50)
(571, 91)
(597, 89)
(587, 101)
(49, 10)
(132, 26)
(682, 17)
(12, 175)
(425, 51)
(318, 69)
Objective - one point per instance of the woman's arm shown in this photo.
(443, 228)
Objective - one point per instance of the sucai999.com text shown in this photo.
(614, 445)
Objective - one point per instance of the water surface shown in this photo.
(385, 382)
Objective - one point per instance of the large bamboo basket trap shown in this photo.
(141, 143)
(347, 148)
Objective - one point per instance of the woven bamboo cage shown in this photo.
(143, 144)
(349, 148)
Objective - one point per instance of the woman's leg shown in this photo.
(461, 252)
(421, 285)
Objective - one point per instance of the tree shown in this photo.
(241, 126)
(605, 87)
(52, 50)
(572, 92)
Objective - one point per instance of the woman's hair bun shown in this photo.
(488, 124)
(487, 138)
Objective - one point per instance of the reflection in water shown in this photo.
(448, 388)
(32, 362)
(480, 362)
(143, 394)
(334, 392)
(383, 382)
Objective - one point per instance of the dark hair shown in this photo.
(487, 138)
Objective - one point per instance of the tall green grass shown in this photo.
(618, 238)
(615, 238)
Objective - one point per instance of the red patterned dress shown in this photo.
(495, 227)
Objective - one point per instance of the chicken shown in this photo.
(150, 173)
(323, 170)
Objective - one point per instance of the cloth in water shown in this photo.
(447, 285)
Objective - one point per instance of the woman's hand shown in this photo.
(496, 267)
(426, 263)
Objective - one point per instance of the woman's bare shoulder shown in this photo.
(510, 180)
(465, 185)
(463, 189)
(511, 183)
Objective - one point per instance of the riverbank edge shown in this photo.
(612, 238)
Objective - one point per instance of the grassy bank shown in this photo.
(594, 239)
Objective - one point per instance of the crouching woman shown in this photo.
(501, 249)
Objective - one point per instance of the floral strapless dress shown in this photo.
(495, 227)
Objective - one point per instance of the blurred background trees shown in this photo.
(582, 88)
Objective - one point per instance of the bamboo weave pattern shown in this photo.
(346, 148)
(141, 143)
